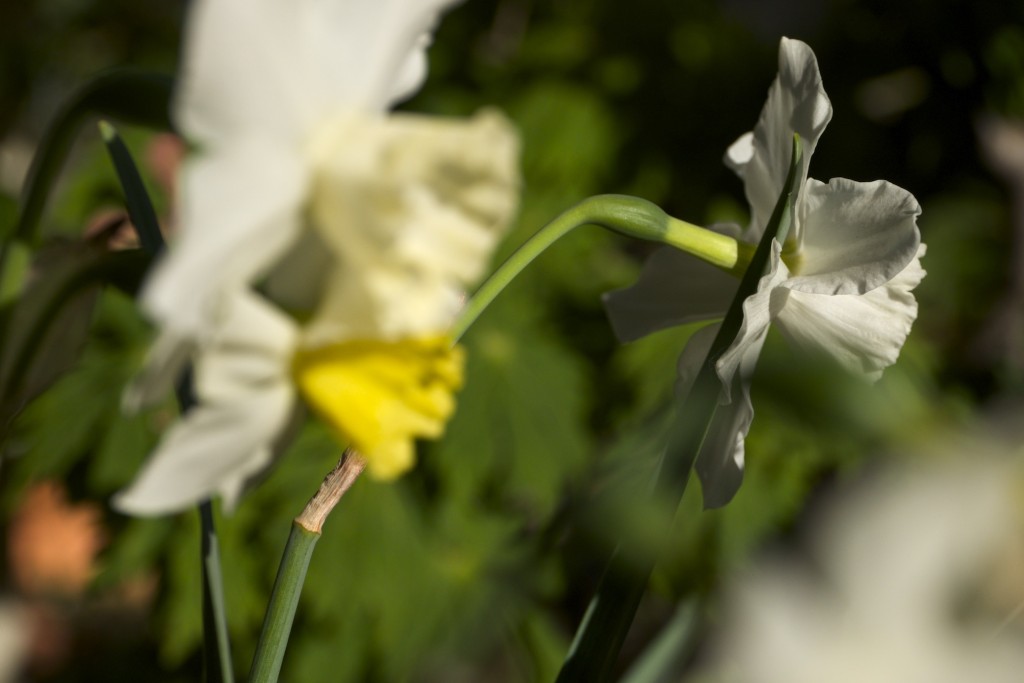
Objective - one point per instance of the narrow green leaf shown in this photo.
(697, 409)
(12, 279)
(128, 95)
(47, 325)
(663, 660)
(216, 643)
(217, 664)
(594, 653)
(140, 208)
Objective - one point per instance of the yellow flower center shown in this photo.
(791, 256)
(381, 395)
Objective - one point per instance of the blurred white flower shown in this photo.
(841, 283)
(15, 641)
(894, 595)
(365, 226)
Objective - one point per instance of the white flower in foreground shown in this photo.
(841, 283)
(897, 594)
(365, 226)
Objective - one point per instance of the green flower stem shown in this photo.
(629, 216)
(216, 641)
(594, 652)
(284, 600)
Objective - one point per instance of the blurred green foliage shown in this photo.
(478, 565)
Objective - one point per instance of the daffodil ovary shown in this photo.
(723, 251)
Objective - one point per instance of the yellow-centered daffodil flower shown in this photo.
(325, 244)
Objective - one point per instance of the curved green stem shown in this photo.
(630, 216)
(627, 215)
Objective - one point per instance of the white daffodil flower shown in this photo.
(362, 229)
(841, 283)
(901, 587)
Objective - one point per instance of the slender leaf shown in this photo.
(216, 642)
(664, 659)
(594, 652)
(129, 95)
(140, 208)
(47, 325)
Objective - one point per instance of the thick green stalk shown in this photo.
(284, 600)
(595, 649)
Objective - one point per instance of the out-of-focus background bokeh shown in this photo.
(479, 564)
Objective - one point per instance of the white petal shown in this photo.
(212, 450)
(240, 211)
(411, 208)
(901, 542)
(164, 364)
(740, 153)
(796, 104)
(252, 346)
(371, 53)
(245, 398)
(413, 71)
(245, 69)
(863, 332)
(856, 236)
(719, 464)
(282, 68)
(674, 288)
